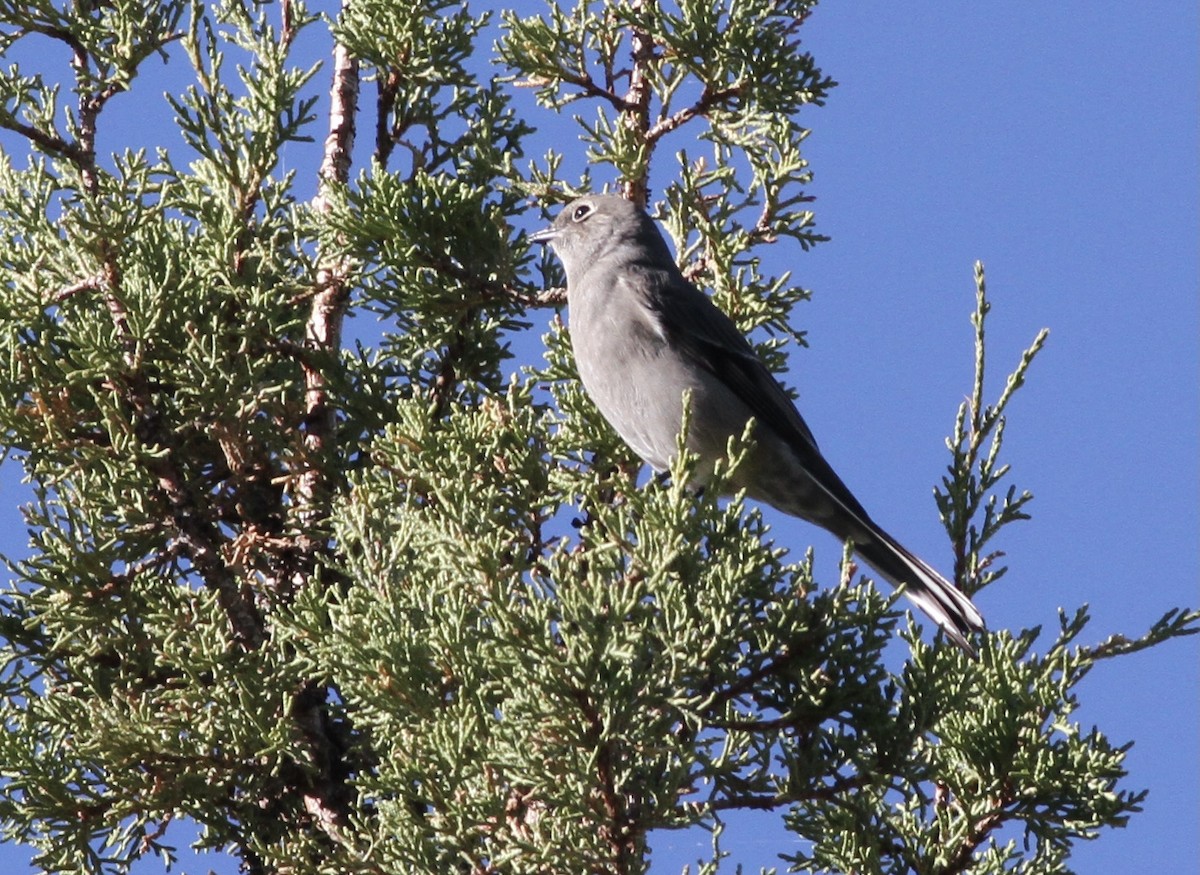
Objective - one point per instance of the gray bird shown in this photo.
(643, 337)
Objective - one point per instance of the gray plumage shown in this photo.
(643, 336)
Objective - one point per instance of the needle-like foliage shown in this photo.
(342, 598)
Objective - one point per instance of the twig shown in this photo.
(325, 795)
(707, 101)
(636, 115)
(621, 828)
(51, 143)
(323, 331)
(89, 284)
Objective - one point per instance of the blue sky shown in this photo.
(1057, 143)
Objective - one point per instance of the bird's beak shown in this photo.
(546, 235)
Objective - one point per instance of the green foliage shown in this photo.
(640, 653)
(988, 747)
(975, 471)
(398, 604)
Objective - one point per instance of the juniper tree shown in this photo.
(399, 605)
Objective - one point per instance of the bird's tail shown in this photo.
(940, 599)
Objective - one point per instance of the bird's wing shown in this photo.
(696, 327)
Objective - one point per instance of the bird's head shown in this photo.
(602, 227)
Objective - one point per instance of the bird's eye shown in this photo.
(581, 212)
